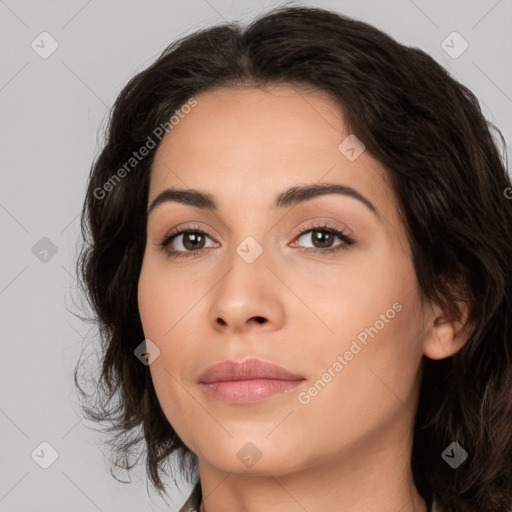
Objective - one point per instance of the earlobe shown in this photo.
(444, 336)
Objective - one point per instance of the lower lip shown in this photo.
(248, 391)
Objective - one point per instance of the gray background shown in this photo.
(51, 113)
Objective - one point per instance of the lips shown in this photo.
(247, 381)
(245, 370)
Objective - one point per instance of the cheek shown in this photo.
(154, 297)
(166, 311)
(376, 380)
(351, 297)
(375, 314)
(177, 404)
(164, 299)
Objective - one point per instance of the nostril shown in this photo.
(259, 319)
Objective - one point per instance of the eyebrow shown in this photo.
(289, 197)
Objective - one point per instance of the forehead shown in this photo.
(248, 123)
(261, 140)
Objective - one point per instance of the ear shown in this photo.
(445, 336)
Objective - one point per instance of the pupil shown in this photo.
(192, 241)
(322, 237)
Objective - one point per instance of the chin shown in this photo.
(253, 455)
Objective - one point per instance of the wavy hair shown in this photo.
(450, 183)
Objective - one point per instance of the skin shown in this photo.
(348, 449)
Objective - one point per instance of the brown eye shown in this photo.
(192, 240)
(185, 242)
(322, 239)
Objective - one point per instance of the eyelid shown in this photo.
(325, 223)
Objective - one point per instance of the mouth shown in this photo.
(248, 381)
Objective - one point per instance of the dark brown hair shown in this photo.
(449, 179)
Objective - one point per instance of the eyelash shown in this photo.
(347, 241)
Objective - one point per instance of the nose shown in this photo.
(248, 298)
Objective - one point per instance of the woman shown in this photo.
(296, 246)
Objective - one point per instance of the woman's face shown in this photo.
(264, 279)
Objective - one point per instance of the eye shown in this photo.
(322, 237)
(184, 241)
